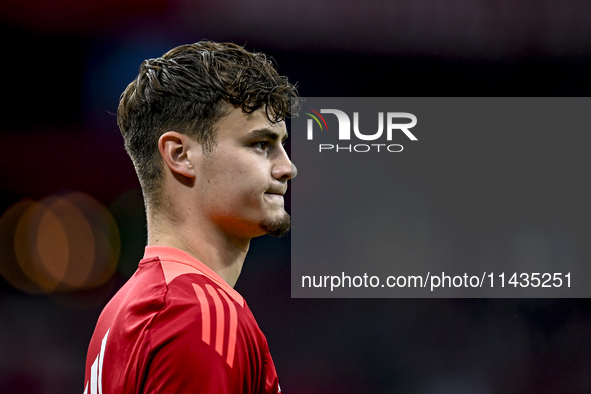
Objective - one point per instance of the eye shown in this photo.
(262, 145)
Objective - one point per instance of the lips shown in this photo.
(275, 197)
(279, 191)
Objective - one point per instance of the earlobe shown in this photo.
(175, 149)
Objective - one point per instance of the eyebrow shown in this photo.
(266, 133)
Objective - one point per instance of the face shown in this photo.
(241, 183)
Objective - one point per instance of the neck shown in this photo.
(223, 255)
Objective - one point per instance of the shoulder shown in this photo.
(200, 312)
(195, 300)
(140, 298)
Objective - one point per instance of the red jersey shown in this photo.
(177, 327)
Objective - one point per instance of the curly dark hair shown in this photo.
(188, 90)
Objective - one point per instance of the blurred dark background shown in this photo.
(65, 177)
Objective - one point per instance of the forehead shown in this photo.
(238, 124)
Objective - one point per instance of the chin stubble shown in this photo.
(278, 226)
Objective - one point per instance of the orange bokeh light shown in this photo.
(62, 243)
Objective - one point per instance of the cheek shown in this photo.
(236, 178)
(249, 176)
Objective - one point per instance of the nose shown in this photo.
(283, 168)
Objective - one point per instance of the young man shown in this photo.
(204, 127)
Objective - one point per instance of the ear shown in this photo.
(178, 153)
